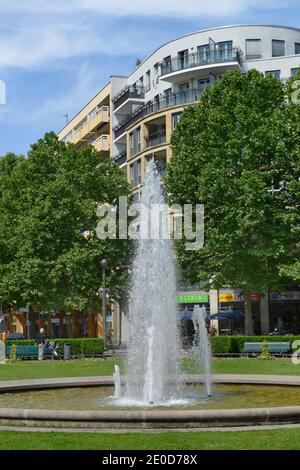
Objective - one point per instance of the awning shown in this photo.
(228, 314)
(185, 315)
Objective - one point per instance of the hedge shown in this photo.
(79, 346)
(221, 345)
(235, 344)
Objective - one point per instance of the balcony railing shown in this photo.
(88, 126)
(197, 60)
(155, 139)
(120, 158)
(129, 92)
(155, 106)
(102, 143)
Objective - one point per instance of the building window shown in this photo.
(139, 171)
(203, 84)
(168, 95)
(135, 141)
(225, 50)
(167, 65)
(131, 175)
(141, 82)
(184, 89)
(183, 58)
(278, 48)
(203, 54)
(136, 173)
(297, 47)
(175, 120)
(253, 49)
(156, 73)
(294, 72)
(274, 73)
(148, 80)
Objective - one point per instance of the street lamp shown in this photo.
(104, 266)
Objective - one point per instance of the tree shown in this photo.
(230, 150)
(53, 196)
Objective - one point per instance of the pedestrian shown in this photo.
(40, 339)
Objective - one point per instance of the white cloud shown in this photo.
(200, 8)
(55, 40)
(38, 32)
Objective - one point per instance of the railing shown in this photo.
(102, 137)
(101, 143)
(103, 110)
(197, 60)
(120, 158)
(127, 93)
(155, 139)
(154, 106)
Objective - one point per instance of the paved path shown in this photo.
(149, 431)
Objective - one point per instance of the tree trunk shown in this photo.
(248, 314)
(264, 313)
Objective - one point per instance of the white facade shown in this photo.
(188, 69)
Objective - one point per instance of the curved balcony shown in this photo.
(153, 140)
(154, 106)
(197, 65)
(128, 95)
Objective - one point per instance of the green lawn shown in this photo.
(285, 439)
(79, 368)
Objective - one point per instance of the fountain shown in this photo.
(117, 382)
(201, 346)
(152, 358)
(153, 346)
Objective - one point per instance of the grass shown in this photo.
(80, 368)
(283, 439)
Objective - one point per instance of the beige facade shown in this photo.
(92, 125)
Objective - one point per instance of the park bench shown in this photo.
(24, 352)
(274, 348)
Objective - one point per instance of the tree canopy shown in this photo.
(229, 151)
(47, 202)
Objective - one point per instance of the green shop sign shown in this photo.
(192, 298)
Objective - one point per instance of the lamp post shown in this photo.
(104, 266)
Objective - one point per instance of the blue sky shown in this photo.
(56, 54)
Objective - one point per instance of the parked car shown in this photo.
(15, 336)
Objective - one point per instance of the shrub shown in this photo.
(265, 354)
(13, 354)
(81, 346)
(221, 344)
(20, 342)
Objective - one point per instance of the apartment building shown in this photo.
(132, 120)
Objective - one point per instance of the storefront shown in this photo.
(232, 301)
(186, 302)
(285, 312)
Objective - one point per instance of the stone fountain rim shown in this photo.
(95, 381)
(158, 419)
